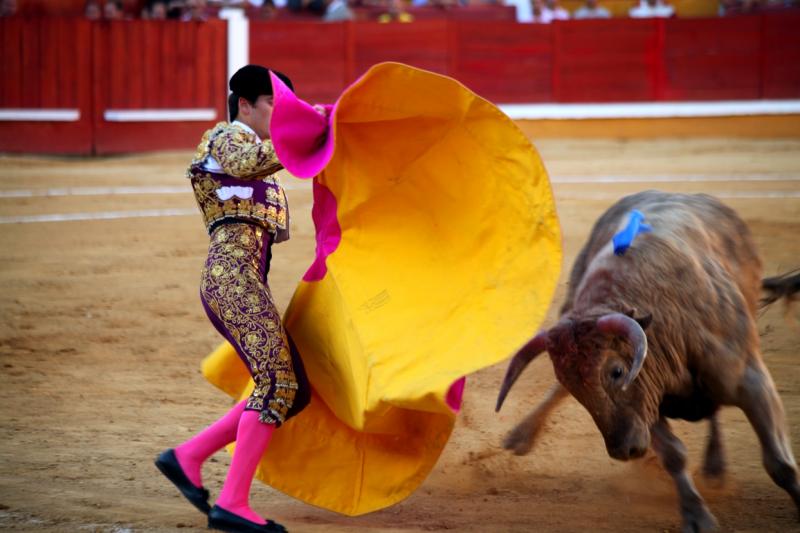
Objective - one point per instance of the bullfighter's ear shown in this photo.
(645, 320)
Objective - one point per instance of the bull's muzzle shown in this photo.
(630, 442)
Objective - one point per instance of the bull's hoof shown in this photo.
(714, 472)
(714, 467)
(797, 505)
(698, 519)
(519, 440)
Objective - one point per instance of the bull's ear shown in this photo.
(645, 320)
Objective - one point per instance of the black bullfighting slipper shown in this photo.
(169, 466)
(219, 518)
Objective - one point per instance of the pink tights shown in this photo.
(194, 452)
(252, 438)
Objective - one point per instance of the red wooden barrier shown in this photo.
(94, 75)
(575, 61)
(780, 46)
(157, 66)
(506, 62)
(424, 44)
(605, 60)
(316, 56)
(46, 65)
(322, 59)
(712, 59)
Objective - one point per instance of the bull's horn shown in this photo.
(625, 326)
(527, 353)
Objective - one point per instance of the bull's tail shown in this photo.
(786, 287)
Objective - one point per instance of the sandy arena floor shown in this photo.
(102, 333)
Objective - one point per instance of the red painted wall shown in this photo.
(63, 63)
(617, 60)
(157, 65)
(780, 58)
(511, 60)
(316, 56)
(712, 61)
(93, 67)
(605, 60)
(46, 64)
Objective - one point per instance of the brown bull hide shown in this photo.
(699, 274)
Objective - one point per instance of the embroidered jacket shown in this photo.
(234, 177)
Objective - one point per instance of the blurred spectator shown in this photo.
(158, 10)
(8, 8)
(317, 7)
(524, 10)
(739, 7)
(112, 10)
(443, 4)
(337, 11)
(91, 10)
(174, 9)
(730, 7)
(651, 9)
(249, 5)
(396, 13)
(773, 5)
(266, 11)
(591, 10)
(195, 10)
(541, 15)
(726, 7)
(558, 12)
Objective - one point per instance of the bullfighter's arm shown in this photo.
(240, 157)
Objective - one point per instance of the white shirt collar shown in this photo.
(247, 128)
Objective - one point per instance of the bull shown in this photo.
(665, 329)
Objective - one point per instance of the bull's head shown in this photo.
(597, 360)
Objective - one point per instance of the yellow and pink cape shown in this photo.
(438, 251)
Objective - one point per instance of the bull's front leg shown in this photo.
(714, 463)
(521, 439)
(695, 514)
(759, 400)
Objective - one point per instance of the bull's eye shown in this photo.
(616, 373)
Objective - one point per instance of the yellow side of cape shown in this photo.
(448, 260)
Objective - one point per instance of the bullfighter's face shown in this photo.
(592, 366)
(257, 114)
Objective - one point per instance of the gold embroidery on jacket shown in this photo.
(241, 158)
